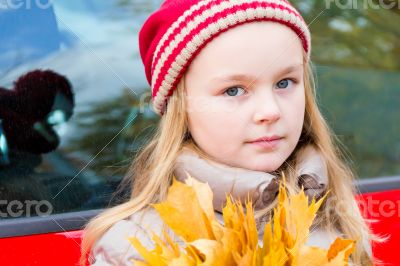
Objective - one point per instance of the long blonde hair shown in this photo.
(151, 173)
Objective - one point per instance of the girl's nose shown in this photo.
(266, 108)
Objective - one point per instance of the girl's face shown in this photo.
(246, 84)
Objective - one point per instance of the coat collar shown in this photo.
(262, 187)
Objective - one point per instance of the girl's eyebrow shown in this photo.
(290, 69)
(251, 78)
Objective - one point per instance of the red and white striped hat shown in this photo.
(172, 36)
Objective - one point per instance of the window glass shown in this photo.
(73, 86)
(71, 81)
(356, 52)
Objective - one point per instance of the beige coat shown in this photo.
(113, 248)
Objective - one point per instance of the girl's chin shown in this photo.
(267, 163)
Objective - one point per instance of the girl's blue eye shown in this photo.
(283, 84)
(233, 91)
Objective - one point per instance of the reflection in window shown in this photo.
(356, 52)
(87, 144)
(74, 153)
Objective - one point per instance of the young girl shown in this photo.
(233, 84)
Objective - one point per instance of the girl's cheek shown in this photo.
(226, 106)
(294, 96)
(200, 105)
(296, 108)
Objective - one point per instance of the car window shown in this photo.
(71, 82)
(356, 51)
(75, 103)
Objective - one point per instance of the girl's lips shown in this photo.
(271, 144)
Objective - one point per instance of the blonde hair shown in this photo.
(151, 173)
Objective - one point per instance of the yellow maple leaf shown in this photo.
(189, 212)
(186, 211)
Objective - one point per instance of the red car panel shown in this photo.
(61, 249)
(64, 248)
(384, 208)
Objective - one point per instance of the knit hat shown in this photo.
(171, 36)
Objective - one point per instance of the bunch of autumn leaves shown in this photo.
(189, 212)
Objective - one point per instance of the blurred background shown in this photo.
(91, 48)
